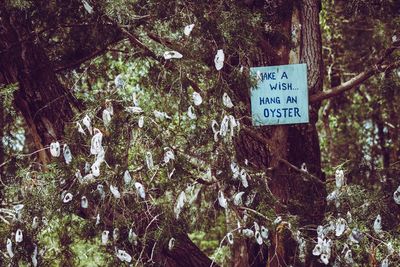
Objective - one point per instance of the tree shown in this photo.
(269, 156)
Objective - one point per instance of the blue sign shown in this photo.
(280, 96)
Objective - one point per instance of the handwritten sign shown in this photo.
(280, 96)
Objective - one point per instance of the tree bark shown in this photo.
(42, 100)
(296, 144)
(186, 253)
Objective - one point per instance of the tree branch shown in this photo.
(360, 78)
(353, 82)
(313, 178)
(135, 42)
(256, 135)
(82, 60)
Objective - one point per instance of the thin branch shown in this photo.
(4, 163)
(144, 237)
(33, 153)
(313, 178)
(255, 212)
(4, 220)
(161, 40)
(360, 78)
(82, 60)
(134, 40)
(256, 135)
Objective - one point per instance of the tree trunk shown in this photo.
(186, 253)
(269, 147)
(42, 100)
